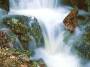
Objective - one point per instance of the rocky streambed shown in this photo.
(20, 35)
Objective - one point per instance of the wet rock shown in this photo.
(81, 4)
(84, 24)
(8, 39)
(71, 20)
(4, 4)
(12, 58)
(4, 7)
(66, 2)
(80, 39)
(74, 2)
(4, 40)
(82, 46)
(27, 30)
(88, 4)
(81, 43)
(2, 12)
(36, 32)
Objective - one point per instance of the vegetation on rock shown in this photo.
(25, 29)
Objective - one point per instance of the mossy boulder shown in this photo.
(26, 29)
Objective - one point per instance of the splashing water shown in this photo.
(55, 53)
(24, 4)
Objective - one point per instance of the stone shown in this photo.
(36, 32)
(2, 12)
(66, 2)
(81, 4)
(71, 20)
(11, 58)
(81, 42)
(8, 39)
(88, 4)
(4, 41)
(82, 46)
(27, 30)
(4, 4)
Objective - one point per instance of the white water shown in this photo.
(55, 53)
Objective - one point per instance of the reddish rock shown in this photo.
(4, 41)
(70, 21)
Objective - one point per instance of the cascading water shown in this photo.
(55, 53)
(33, 4)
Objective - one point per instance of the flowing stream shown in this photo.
(56, 53)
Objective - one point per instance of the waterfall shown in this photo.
(55, 53)
(33, 4)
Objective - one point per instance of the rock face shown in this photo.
(71, 21)
(4, 4)
(81, 4)
(82, 46)
(19, 36)
(36, 32)
(81, 43)
(2, 12)
(26, 30)
(9, 39)
(88, 3)
(16, 58)
(80, 40)
(4, 7)
(4, 40)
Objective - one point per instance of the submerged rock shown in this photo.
(27, 30)
(71, 20)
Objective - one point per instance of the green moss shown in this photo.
(26, 29)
